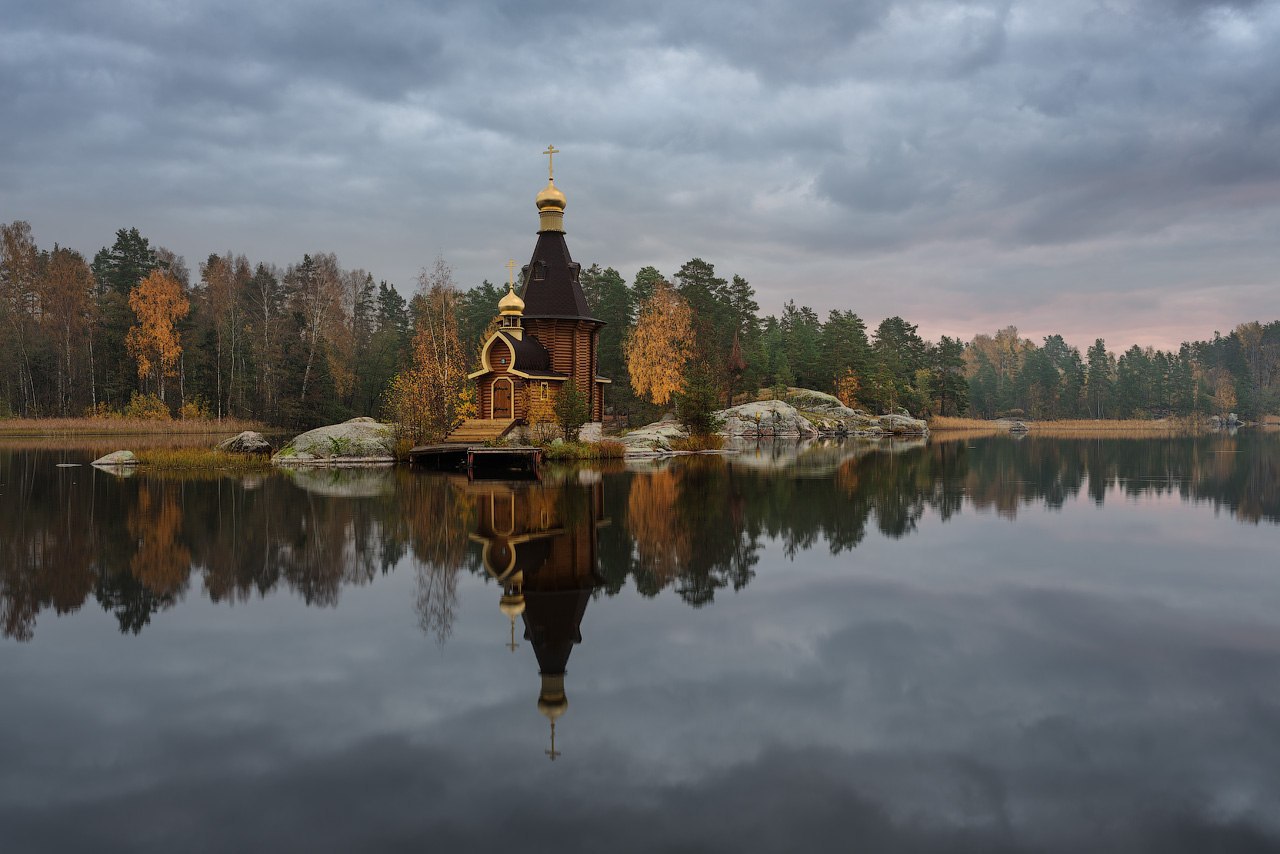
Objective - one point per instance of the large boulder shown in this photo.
(653, 438)
(360, 441)
(807, 400)
(765, 418)
(117, 458)
(247, 442)
(902, 425)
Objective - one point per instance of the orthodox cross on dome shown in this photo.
(511, 275)
(553, 753)
(551, 152)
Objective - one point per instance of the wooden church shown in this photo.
(546, 337)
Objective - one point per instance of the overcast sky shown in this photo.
(1107, 167)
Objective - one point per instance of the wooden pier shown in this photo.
(479, 460)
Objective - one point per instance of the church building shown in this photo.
(546, 337)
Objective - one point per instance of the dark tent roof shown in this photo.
(552, 624)
(551, 280)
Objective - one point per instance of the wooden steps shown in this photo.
(477, 431)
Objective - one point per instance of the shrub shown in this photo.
(540, 414)
(571, 409)
(101, 410)
(147, 407)
(707, 442)
(195, 408)
(696, 404)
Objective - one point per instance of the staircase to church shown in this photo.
(477, 431)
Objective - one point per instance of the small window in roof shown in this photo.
(539, 271)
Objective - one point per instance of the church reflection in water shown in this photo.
(539, 542)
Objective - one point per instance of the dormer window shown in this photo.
(539, 271)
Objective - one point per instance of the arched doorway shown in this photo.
(503, 392)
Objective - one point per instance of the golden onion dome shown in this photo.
(552, 701)
(512, 605)
(552, 708)
(550, 197)
(511, 304)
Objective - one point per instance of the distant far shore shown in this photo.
(1074, 426)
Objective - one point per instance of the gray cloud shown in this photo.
(799, 144)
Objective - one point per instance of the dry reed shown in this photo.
(200, 459)
(115, 425)
(1074, 427)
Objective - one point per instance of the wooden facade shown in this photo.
(547, 336)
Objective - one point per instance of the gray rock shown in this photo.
(247, 442)
(117, 458)
(902, 425)
(765, 418)
(360, 441)
(652, 438)
(592, 431)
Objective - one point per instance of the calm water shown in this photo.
(985, 645)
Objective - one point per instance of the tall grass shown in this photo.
(1073, 427)
(200, 459)
(606, 449)
(94, 425)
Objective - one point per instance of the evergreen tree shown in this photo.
(1098, 379)
(947, 385)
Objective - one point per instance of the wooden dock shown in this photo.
(479, 460)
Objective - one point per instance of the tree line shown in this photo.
(133, 330)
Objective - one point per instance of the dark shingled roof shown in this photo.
(530, 356)
(551, 280)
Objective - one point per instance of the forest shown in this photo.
(135, 331)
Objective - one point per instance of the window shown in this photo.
(539, 271)
(542, 391)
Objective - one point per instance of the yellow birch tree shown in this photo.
(158, 303)
(659, 347)
(433, 395)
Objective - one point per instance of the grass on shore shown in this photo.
(201, 459)
(1072, 427)
(606, 449)
(91, 425)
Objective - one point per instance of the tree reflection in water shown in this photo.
(693, 525)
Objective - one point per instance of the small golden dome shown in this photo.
(511, 304)
(552, 701)
(512, 605)
(552, 708)
(550, 197)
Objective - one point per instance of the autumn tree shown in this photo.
(158, 304)
(315, 291)
(660, 345)
(66, 304)
(433, 395)
(226, 282)
(19, 271)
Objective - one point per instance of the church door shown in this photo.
(502, 399)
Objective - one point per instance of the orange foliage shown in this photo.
(433, 395)
(662, 540)
(660, 345)
(161, 563)
(847, 388)
(158, 303)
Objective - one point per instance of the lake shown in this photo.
(985, 644)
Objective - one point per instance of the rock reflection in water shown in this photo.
(695, 525)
